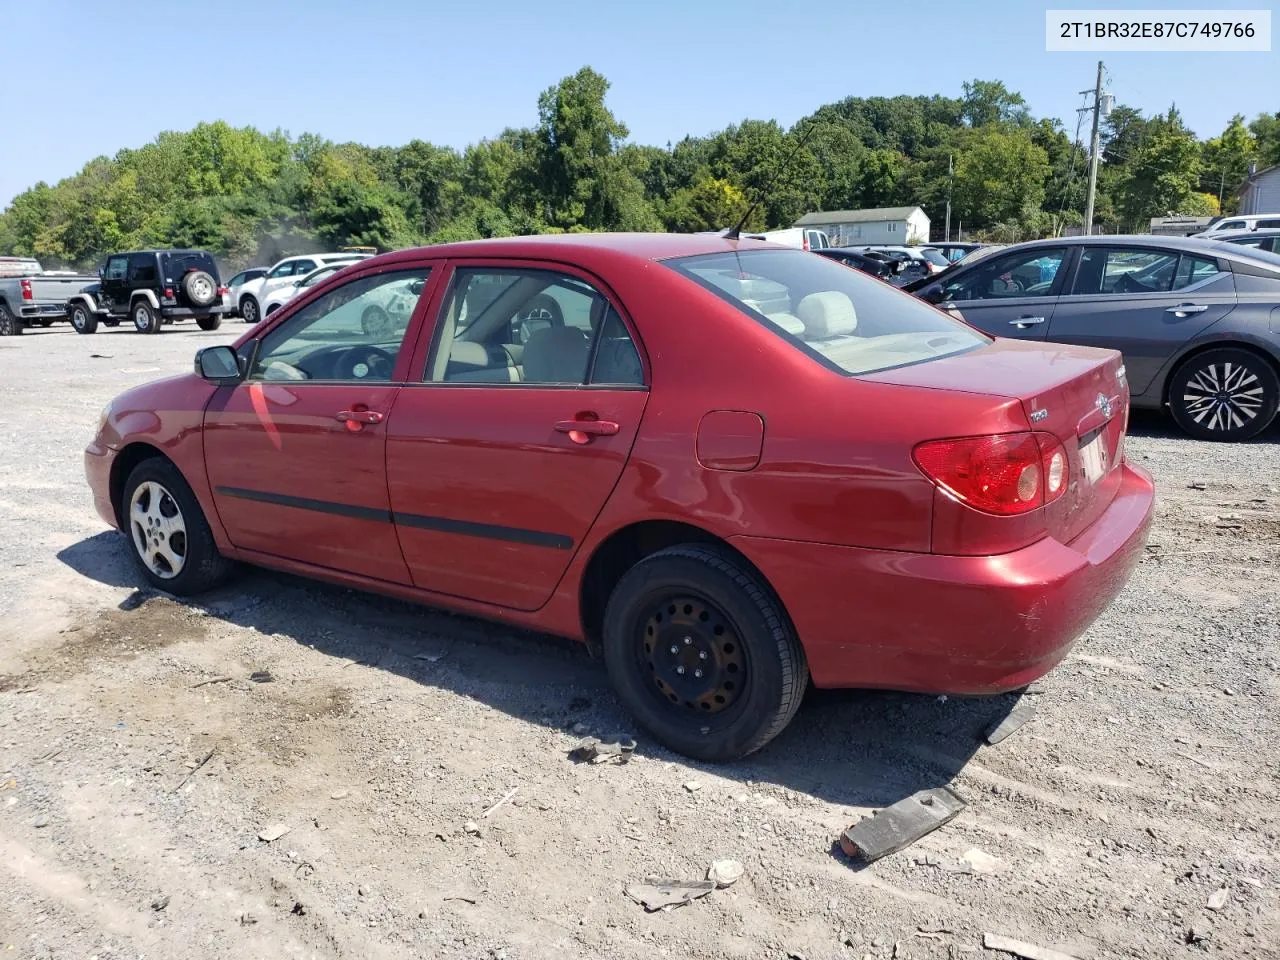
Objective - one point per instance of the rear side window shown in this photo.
(1232, 225)
(178, 265)
(846, 320)
(1192, 270)
(142, 269)
(1268, 224)
(1116, 270)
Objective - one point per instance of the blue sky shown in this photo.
(386, 71)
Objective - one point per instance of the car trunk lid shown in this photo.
(1077, 394)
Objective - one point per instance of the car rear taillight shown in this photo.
(223, 291)
(805, 243)
(168, 292)
(26, 289)
(1005, 474)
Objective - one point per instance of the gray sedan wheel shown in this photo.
(1224, 394)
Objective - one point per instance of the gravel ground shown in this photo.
(1137, 815)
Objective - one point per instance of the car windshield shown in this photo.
(846, 320)
(176, 265)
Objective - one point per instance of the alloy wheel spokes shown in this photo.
(159, 530)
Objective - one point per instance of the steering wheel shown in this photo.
(541, 311)
(365, 363)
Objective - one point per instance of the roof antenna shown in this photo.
(734, 233)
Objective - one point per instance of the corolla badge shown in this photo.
(1104, 405)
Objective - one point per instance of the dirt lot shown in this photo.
(1148, 781)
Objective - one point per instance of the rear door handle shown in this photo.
(1026, 321)
(1183, 309)
(581, 431)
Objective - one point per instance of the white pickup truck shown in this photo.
(32, 296)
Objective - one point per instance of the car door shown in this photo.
(296, 454)
(1007, 296)
(1143, 301)
(501, 458)
(115, 284)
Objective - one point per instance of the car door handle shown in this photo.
(581, 431)
(1026, 321)
(358, 416)
(1183, 309)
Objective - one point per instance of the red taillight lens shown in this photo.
(168, 292)
(806, 243)
(26, 289)
(223, 291)
(1006, 474)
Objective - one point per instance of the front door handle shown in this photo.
(1023, 322)
(581, 431)
(1183, 309)
(356, 419)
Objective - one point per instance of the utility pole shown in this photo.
(946, 237)
(1222, 186)
(1093, 154)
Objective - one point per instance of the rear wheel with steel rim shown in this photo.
(170, 539)
(10, 326)
(145, 318)
(702, 654)
(1224, 394)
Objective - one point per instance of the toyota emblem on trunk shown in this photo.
(1104, 405)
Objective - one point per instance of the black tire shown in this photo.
(83, 320)
(250, 310)
(202, 566)
(727, 622)
(201, 289)
(10, 326)
(272, 309)
(209, 323)
(1224, 394)
(145, 318)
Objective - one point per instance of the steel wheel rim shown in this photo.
(693, 655)
(141, 320)
(250, 311)
(158, 529)
(1223, 397)
(78, 318)
(201, 290)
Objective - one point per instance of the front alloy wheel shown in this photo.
(159, 530)
(1225, 394)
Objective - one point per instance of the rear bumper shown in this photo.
(46, 311)
(97, 470)
(945, 624)
(181, 313)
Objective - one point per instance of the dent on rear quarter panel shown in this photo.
(169, 414)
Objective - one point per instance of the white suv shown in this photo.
(1261, 221)
(283, 273)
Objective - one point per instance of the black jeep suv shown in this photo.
(151, 287)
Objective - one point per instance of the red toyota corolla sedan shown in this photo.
(734, 467)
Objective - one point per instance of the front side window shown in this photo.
(1030, 273)
(117, 268)
(353, 332)
(1110, 270)
(1232, 225)
(283, 270)
(848, 321)
(531, 326)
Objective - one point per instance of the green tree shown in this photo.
(1266, 130)
(1226, 158)
(1000, 176)
(710, 204)
(1163, 173)
(990, 101)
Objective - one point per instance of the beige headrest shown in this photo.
(826, 315)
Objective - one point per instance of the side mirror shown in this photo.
(218, 365)
(102, 273)
(297, 283)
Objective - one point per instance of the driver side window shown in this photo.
(353, 332)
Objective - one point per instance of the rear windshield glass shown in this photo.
(845, 319)
(176, 265)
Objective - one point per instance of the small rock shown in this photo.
(247, 919)
(41, 822)
(980, 861)
(693, 786)
(725, 872)
(160, 903)
(362, 891)
(339, 794)
(1198, 933)
(1228, 691)
(273, 833)
(262, 676)
(471, 828)
(1218, 899)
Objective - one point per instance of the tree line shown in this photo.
(250, 196)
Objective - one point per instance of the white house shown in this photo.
(1261, 192)
(846, 228)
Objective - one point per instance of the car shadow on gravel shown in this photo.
(854, 748)
(1160, 426)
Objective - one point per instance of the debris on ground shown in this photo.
(1198, 932)
(655, 894)
(471, 828)
(205, 683)
(902, 824)
(509, 794)
(1015, 719)
(273, 833)
(195, 767)
(693, 786)
(602, 750)
(160, 903)
(134, 600)
(339, 794)
(261, 676)
(898, 951)
(1218, 899)
(980, 861)
(725, 872)
(1028, 951)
